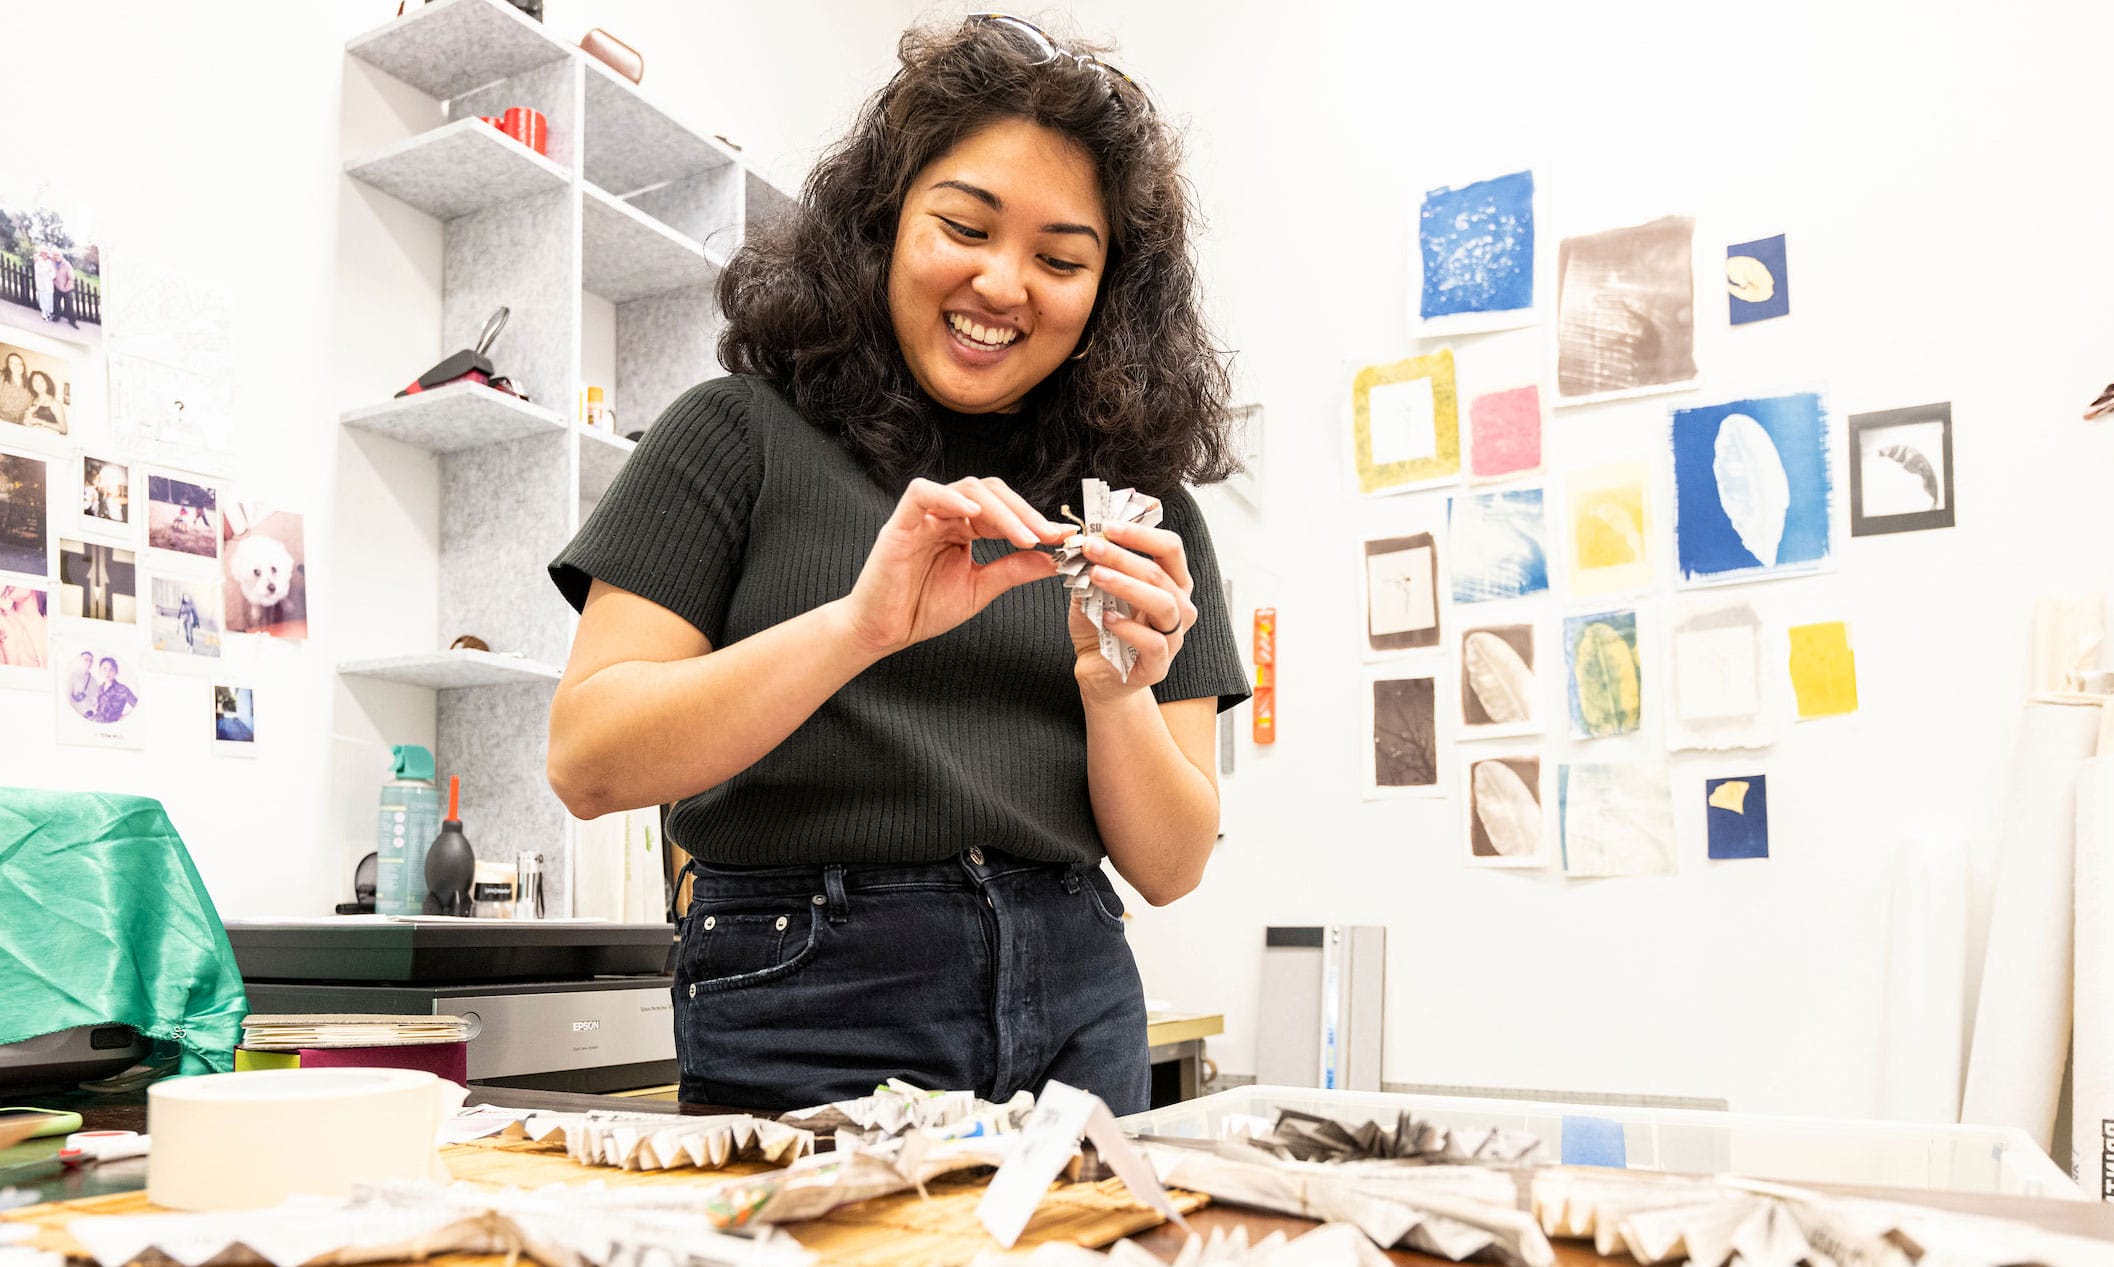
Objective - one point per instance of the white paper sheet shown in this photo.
(2092, 1077)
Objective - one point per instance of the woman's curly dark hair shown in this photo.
(806, 297)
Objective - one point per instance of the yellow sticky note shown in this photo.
(1823, 670)
(1732, 795)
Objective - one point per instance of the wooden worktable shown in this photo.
(117, 1187)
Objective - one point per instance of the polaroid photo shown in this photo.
(98, 582)
(184, 616)
(265, 571)
(98, 700)
(234, 721)
(51, 269)
(106, 497)
(25, 635)
(25, 515)
(183, 516)
(36, 386)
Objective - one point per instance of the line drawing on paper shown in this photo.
(1615, 820)
(1752, 489)
(1625, 310)
(1604, 674)
(1404, 759)
(1719, 698)
(1476, 244)
(1500, 691)
(1402, 593)
(1405, 424)
(1901, 470)
(1506, 825)
(1497, 546)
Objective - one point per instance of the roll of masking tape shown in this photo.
(238, 1141)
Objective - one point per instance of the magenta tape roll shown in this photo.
(444, 1060)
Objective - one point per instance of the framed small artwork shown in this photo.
(1901, 470)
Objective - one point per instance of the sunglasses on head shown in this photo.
(1051, 50)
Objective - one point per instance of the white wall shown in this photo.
(1948, 241)
(1936, 176)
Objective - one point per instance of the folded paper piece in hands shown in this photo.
(1100, 508)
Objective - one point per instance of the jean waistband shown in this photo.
(966, 870)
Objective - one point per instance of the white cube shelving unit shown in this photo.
(629, 204)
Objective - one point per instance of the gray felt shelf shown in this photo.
(452, 670)
(632, 144)
(628, 254)
(601, 457)
(459, 168)
(448, 47)
(456, 417)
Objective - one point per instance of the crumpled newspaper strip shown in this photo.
(1658, 1218)
(1330, 1245)
(897, 1106)
(856, 1171)
(1453, 1212)
(584, 1225)
(1101, 507)
(1298, 1136)
(655, 1141)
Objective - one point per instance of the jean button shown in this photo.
(819, 899)
(781, 923)
(693, 989)
(976, 855)
(708, 922)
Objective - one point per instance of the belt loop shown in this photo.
(1072, 880)
(833, 886)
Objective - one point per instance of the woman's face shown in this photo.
(999, 252)
(40, 383)
(17, 368)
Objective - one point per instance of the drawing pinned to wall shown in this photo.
(1757, 283)
(1497, 546)
(1604, 674)
(183, 517)
(1401, 593)
(1476, 244)
(1901, 470)
(98, 582)
(1502, 799)
(1615, 820)
(1610, 529)
(1504, 433)
(25, 635)
(1405, 424)
(98, 701)
(172, 368)
(1752, 489)
(266, 571)
(1717, 682)
(185, 616)
(1405, 729)
(1823, 670)
(1500, 694)
(1625, 311)
(25, 516)
(1736, 816)
(51, 270)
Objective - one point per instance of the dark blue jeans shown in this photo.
(797, 986)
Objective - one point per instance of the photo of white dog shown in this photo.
(261, 557)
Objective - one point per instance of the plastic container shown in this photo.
(410, 817)
(1924, 1156)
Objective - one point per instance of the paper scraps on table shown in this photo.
(577, 1225)
(897, 1106)
(658, 1141)
(1823, 670)
(1455, 1212)
(1660, 1218)
(1050, 1139)
(1100, 507)
(1615, 820)
(1298, 1136)
(1329, 1245)
(1718, 696)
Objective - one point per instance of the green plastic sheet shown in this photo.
(103, 920)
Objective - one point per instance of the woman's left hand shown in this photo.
(1147, 568)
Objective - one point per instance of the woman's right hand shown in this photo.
(920, 580)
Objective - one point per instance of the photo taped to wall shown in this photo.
(25, 515)
(183, 516)
(1401, 593)
(36, 388)
(1625, 311)
(98, 582)
(1901, 470)
(1401, 708)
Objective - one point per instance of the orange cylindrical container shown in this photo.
(1264, 727)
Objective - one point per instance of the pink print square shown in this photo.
(1504, 433)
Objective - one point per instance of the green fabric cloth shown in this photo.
(103, 920)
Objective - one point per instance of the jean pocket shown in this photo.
(1101, 895)
(726, 949)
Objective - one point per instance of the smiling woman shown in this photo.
(810, 617)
